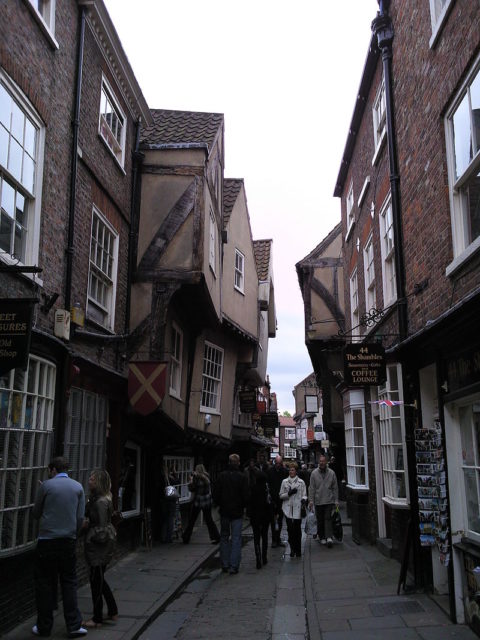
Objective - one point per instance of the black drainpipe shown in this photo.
(73, 174)
(134, 217)
(382, 28)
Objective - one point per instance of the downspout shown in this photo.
(192, 343)
(382, 28)
(73, 174)
(134, 218)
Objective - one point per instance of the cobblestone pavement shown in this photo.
(258, 604)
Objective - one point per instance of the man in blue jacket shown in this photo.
(60, 507)
(231, 493)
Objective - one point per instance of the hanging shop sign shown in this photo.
(261, 406)
(15, 332)
(248, 401)
(311, 404)
(364, 365)
(146, 385)
(269, 420)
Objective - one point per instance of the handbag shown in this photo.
(337, 527)
(102, 535)
(303, 510)
(171, 492)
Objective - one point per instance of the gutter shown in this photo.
(134, 218)
(382, 28)
(73, 172)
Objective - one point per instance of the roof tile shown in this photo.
(182, 127)
(262, 249)
(231, 189)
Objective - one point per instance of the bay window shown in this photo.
(391, 422)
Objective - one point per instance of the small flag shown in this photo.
(386, 403)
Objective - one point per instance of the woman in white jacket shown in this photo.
(293, 493)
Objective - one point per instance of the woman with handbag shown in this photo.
(199, 485)
(293, 494)
(99, 545)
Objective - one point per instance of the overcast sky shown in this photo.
(285, 75)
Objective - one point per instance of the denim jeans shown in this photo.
(55, 559)
(230, 542)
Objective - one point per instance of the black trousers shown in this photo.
(294, 528)
(260, 537)
(100, 590)
(207, 514)
(56, 559)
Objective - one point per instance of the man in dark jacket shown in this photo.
(230, 492)
(275, 476)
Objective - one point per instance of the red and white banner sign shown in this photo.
(146, 385)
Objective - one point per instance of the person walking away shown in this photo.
(168, 504)
(293, 494)
(99, 545)
(59, 506)
(304, 474)
(323, 493)
(199, 485)
(261, 508)
(276, 474)
(230, 492)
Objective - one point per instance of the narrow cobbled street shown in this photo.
(178, 592)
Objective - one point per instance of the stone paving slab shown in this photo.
(384, 622)
(289, 619)
(450, 632)
(326, 612)
(372, 634)
(290, 596)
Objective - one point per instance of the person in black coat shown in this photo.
(274, 477)
(231, 493)
(261, 510)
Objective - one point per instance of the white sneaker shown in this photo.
(323, 541)
(329, 542)
(78, 632)
(35, 630)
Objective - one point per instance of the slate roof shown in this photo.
(262, 257)
(182, 127)
(231, 189)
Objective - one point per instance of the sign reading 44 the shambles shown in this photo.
(364, 365)
(15, 329)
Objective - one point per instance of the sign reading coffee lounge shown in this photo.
(15, 329)
(364, 365)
